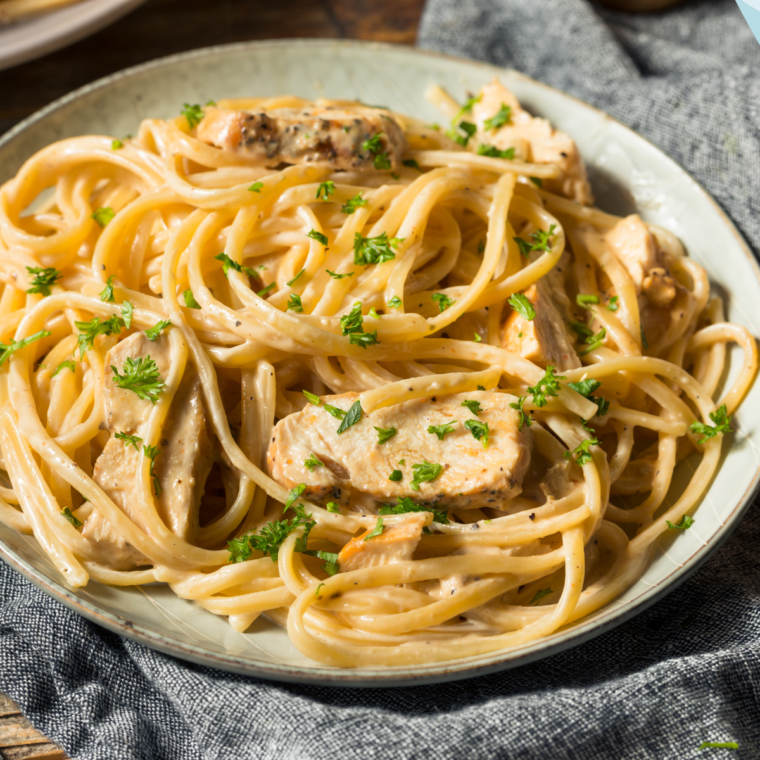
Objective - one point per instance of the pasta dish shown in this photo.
(398, 387)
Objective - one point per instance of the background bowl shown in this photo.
(628, 173)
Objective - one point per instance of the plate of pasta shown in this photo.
(361, 365)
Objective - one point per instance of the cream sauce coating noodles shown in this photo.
(402, 389)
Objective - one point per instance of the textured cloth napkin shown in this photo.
(685, 671)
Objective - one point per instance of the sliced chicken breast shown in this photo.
(363, 139)
(545, 144)
(187, 452)
(545, 339)
(396, 543)
(355, 468)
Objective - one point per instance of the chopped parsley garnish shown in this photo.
(376, 250)
(311, 398)
(580, 329)
(152, 333)
(353, 203)
(581, 452)
(374, 146)
(339, 414)
(116, 144)
(644, 342)
(585, 299)
(325, 190)
(385, 434)
(66, 512)
(524, 418)
(462, 132)
(293, 495)
(425, 472)
(363, 339)
(228, 263)
(443, 301)
(152, 452)
(539, 596)
(290, 283)
(312, 462)
(126, 313)
(481, 247)
(266, 290)
(412, 164)
(541, 241)
(586, 388)
(316, 593)
(140, 376)
(129, 440)
(722, 420)
(256, 187)
(353, 415)
(318, 236)
(193, 114)
(467, 107)
(330, 559)
(500, 118)
(190, 301)
(441, 430)
(68, 364)
(401, 462)
(718, 745)
(479, 430)
(405, 505)
(546, 386)
(93, 328)
(481, 387)
(376, 531)
(594, 341)
(107, 293)
(537, 181)
(396, 476)
(373, 313)
(491, 151)
(43, 280)
(271, 538)
(294, 303)
(613, 304)
(353, 321)
(522, 306)
(339, 276)
(683, 524)
(394, 303)
(333, 508)
(103, 215)
(477, 338)
(473, 406)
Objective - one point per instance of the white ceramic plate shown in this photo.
(628, 173)
(42, 34)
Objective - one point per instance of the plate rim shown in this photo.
(446, 671)
(99, 17)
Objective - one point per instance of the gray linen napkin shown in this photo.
(685, 671)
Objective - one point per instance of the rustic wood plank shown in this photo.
(47, 751)
(8, 706)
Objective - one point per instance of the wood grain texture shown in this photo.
(160, 28)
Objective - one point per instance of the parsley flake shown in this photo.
(613, 304)
(584, 300)
(106, 294)
(353, 203)
(376, 250)
(43, 280)
(152, 333)
(539, 596)
(256, 187)
(68, 364)
(473, 406)
(683, 524)
(722, 421)
(396, 476)
(193, 114)
(376, 531)
(266, 290)
(500, 118)
(294, 303)
(479, 430)
(522, 306)
(293, 495)
(152, 452)
(66, 512)
(228, 263)
(546, 386)
(126, 313)
(325, 190)
(581, 452)
(318, 236)
(116, 144)
(443, 301)
(290, 283)
(394, 303)
(412, 164)
(141, 376)
(385, 434)
(353, 415)
(103, 216)
(425, 472)
(312, 462)
(93, 328)
(441, 430)
(333, 508)
(339, 276)
(312, 398)
(404, 505)
(336, 412)
(129, 440)
(363, 339)
(491, 151)
(190, 301)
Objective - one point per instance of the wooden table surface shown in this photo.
(156, 29)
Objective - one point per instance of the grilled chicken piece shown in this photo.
(355, 468)
(545, 339)
(334, 137)
(395, 544)
(187, 453)
(545, 144)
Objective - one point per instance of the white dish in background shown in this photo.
(627, 172)
(41, 34)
